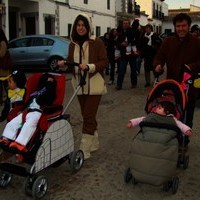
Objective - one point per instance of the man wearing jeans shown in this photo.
(124, 44)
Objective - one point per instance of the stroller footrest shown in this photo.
(14, 169)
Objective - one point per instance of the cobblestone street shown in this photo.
(101, 177)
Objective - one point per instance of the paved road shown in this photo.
(101, 177)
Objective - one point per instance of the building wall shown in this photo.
(99, 14)
(147, 7)
(192, 11)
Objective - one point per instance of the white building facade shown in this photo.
(193, 12)
(155, 10)
(24, 17)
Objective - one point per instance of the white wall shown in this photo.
(99, 14)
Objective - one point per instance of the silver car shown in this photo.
(38, 51)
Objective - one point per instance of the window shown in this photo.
(85, 1)
(98, 31)
(49, 24)
(41, 42)
(108, 4)
(20, 43)
(108, 29)
(69, 30)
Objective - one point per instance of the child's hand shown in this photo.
(188, 132)
(129, 125)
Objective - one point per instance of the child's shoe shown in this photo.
(4, 141)
(128, 50)
(117, 54)
(20, 147)
(19, 158)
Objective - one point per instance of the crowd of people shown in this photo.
(130, 44)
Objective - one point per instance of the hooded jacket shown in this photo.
(93, 53)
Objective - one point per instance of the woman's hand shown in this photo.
(61, 63)
(84, 67)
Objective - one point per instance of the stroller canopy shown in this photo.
(157, 94)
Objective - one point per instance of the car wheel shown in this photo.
(52, 63)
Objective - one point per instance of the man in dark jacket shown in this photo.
(178, 53)
(125, 40)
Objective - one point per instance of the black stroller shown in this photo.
(154, 151)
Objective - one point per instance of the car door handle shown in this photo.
(46, 50)
(22, 51)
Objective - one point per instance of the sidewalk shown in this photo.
(101, 177)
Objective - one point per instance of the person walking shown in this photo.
(111, 54)
(88, 50)
(150, 44)
(179, 52)
(124, 45)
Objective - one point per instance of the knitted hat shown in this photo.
(19, 78)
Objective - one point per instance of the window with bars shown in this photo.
(108, 4)
(98, 31)
(85, 1)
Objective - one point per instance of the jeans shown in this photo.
(122, 70)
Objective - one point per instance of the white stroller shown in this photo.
(51, 145)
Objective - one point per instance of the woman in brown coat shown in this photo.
(90, 52)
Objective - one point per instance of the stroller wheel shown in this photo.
(5, 178)
(76, 160)
(127, 175)
(175, 183)
(40, 187)
(185, 162)
(28, 184)
(167, 186)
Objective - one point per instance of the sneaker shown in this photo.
(118, 88)
(133, 86)
(20, 147)
(110, 82)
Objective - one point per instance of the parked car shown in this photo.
(38, 51)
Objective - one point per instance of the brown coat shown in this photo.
(175, 53)
(95, 57)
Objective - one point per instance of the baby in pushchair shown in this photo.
(165, 109)
(48, 143)
(27, 121)
(154, 151)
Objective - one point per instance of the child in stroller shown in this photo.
(154, 151)
(45, 95)
(163, 108)
(15, 95)
(51, 145)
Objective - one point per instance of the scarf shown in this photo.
(149, 37)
